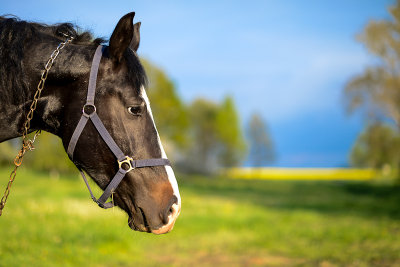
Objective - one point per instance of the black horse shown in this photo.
(149, 195)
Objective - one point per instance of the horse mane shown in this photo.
(16, 27)
(15, 34)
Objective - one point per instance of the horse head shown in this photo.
(149, 195)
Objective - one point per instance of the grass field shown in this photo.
(224, 222)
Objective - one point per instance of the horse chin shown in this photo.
(137, 227)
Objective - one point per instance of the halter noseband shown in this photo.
(125, 163)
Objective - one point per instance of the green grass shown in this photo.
(224, 222)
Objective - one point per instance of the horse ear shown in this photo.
(134, 45)
(121, 37)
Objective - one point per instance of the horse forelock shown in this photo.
(136, 73)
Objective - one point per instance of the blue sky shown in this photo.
(287, 60)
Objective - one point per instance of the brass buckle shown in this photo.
(128, 160)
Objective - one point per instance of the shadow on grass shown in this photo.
(330, 197)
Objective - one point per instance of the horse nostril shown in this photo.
(170, 211)
(168, 217)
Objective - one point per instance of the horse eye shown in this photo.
(135, 110)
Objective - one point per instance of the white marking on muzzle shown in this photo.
(168, 169)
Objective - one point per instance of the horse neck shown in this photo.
(71, 66)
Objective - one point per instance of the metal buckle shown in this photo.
(88, 105)
(128, 160)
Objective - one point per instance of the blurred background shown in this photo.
(281, 118)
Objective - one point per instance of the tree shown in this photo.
(230, 134)
(204, 139)
(216, 138)
(376, 90)
(261, 150)
(377, 147)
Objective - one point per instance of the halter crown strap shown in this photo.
(126, 163)
(93, 75)
(89, 101)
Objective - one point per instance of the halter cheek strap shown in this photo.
(125, 163)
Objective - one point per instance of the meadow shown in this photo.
(224, 222)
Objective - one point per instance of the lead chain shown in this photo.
(27, 145)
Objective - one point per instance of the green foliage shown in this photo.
(204, 136)
(49, 155)
(377, 147)
(51, 222)
(261, 148)
(7, 153)
(216, 135)
(376, 90)
(230, 134)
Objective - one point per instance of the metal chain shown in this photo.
(27, 145)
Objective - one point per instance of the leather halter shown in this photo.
(125, 163)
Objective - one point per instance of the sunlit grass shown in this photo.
(224, 222)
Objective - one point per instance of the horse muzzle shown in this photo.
(143, 223)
